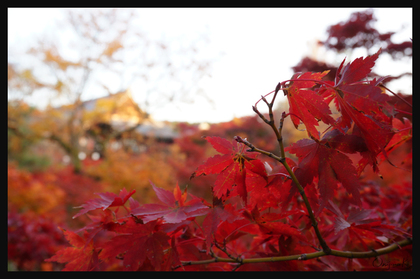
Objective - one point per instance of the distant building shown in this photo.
(118, 110)
(121, 112)
(111, 115)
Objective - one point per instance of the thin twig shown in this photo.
(295, 180)
(282, 160)
(396, 95)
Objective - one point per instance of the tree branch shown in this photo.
(307, 256)
(300, 188)
(282, 160)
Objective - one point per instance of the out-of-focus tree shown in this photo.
(359, 33)
(21, 137)
(98, 48)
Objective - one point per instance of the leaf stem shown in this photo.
(402, 111)
(396, 95)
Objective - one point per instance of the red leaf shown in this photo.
(269, 223)
(357, 70)
(237, 169)
(269, 195)
(106, 200)
(80, 257)
(164, 196)
(403, 134)
(221, 145)
(231, 176)
(363, 103)
(359, 224)
(344, 142)
(215, 217)
(376, 133)
(100, 223)
(330, 166)
(340, 224)
(172, 257)
(138, 242)
(256, 181)
(214, 165)
(306, 105)
(175, 210)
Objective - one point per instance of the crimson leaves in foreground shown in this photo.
(256, 212)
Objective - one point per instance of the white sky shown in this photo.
(260, 45)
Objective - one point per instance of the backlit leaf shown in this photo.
(106, 200)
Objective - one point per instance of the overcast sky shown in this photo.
(260, 46)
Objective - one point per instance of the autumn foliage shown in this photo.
(316, 208)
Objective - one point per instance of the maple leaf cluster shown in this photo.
(264, 217)
(365, 126)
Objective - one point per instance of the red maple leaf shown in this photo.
(355, 71)
(375, 134)
(359, 225)
(175, 209)
(306, 105)
(135, 243)
(80, 257)
(403, 133)
(172, 257)
(218, 214)
(106, 200)
(236, 167)
(100, 223)
(270, 223)
(363, 104)
(317, 159)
